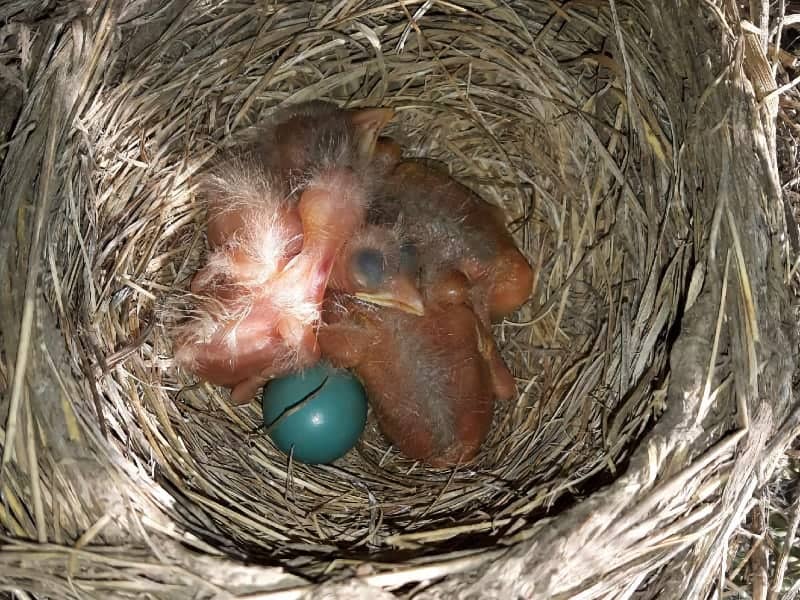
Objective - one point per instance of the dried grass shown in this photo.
(627, 146)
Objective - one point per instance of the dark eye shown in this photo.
(409, 259)
(369, 267)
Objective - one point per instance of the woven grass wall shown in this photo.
(633, 148)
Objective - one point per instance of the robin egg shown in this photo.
(316, 415)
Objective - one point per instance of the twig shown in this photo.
(760, 558)
(786, 547)
(31, 285)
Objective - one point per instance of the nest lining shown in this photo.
(407, 499)
(473, 113)
(541, 112)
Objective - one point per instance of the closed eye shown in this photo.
(369, 268)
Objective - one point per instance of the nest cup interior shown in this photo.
(512, 102)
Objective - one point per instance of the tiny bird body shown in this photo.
(431, 378)
(426, 380)
(280, 209)
(458, 230)
(466, 254)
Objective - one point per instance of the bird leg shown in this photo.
(305, 354)
(502, 380)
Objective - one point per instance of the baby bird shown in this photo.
(457, 230)
(431, 378)
(280, 209)
(466, 255)
(428, 379)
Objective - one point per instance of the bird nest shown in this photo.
(632, 147)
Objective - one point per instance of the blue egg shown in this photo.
(324, 426)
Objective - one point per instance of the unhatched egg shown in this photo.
(316, 415)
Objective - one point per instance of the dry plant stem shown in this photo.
(793, 591)
(760, 558)
(36, 487)
(87, 371)
(786, 547)
(776, 43)
(31, 283)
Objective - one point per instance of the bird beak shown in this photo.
(399, 294)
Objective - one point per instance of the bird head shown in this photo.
(378, 267)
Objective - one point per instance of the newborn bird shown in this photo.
(457, 230)
(466, 254)
(279, 212)
(428, 378)
(431, 379)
